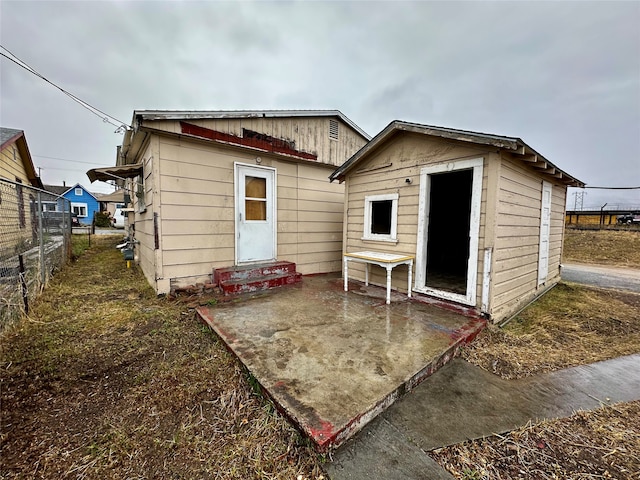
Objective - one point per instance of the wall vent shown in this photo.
(333, 129)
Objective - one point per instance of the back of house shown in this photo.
(220, 189)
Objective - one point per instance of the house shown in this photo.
(17, 204)
(110, 201)
(16, 163)
(482, 214)
(219, 189)
(83, 203)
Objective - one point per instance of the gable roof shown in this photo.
(63, 189)
(232, 114)
(56, 189)
(9, 136)
(514, 145)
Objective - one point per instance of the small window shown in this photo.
(79, 209)
(381, 217)
(255, 198)
(78, 192)
(334, 132)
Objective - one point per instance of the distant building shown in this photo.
(83, 203)
(15, 160)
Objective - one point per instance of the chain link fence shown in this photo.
(35, 241)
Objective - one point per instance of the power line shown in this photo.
(615, 188)
(96, 111)
(66, 160)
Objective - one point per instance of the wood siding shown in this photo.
(16, 226)
(310, 135)
(386, 171)
(196, 212)
(515, 257)
(12, 165)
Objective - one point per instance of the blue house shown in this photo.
(83, 203)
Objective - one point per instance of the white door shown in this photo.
(468, 296)
(545, 228)
(255, 213)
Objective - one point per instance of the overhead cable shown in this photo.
(96, 111)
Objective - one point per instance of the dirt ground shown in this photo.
(104, 380)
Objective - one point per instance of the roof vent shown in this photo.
(333, 129)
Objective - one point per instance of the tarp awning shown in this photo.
(115, 173)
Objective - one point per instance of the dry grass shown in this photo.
(104, 380)
(604, 247)
(571, 325)
(604, 443)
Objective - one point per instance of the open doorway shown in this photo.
(448, 230)
(448, 236)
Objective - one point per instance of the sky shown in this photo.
(563, 76)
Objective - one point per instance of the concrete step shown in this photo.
(253, 278)
(248, 272)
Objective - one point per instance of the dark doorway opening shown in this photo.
(448, 231)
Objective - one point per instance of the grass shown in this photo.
(570, 325)
(105, 380)
(604, 247)
(604, 443)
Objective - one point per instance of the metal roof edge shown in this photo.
(510, 143)
(217, 114)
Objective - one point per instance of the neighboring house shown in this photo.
(16, 163)
(17, 205)
(482, 214)
(219, 189)
(110, 201)
(83, 203)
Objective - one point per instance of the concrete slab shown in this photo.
(462, 402)
(332, 360)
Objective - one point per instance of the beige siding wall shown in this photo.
(144, 208)
(196, 211)
(515, 271)
(385, 172)
(310, 135)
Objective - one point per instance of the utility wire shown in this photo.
(96, 111)
(65, 159)
(613, 188)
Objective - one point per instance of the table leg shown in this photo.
(389, 285)
(410, 273)
(366, 274)
(346, 276)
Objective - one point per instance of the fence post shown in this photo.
(23, 283)
(41, 242)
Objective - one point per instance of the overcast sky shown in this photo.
(564, 77)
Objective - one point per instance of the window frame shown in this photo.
(78, 192)
(368, 201)
(80, 205)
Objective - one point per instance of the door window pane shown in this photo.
(255, 187)
(255, 209)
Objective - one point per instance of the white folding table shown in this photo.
(385, 260)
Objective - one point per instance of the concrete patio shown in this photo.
(333, 360)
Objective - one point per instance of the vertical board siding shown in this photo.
(310, 135)
(515, 272)
(386, 171)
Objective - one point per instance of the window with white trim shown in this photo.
(381, 217)
(79, 209)
(78, 192)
